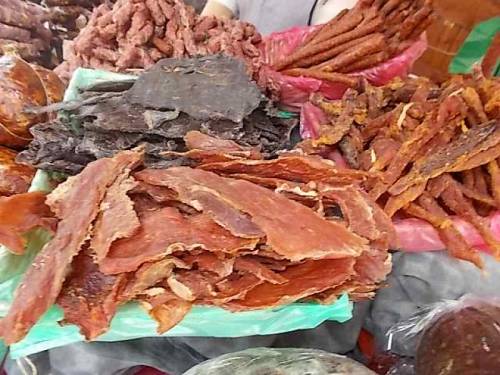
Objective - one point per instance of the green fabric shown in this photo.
(131, 321)
(475, 47)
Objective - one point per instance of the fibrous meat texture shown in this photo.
(213, 95)
(171, 238)
(436, 149)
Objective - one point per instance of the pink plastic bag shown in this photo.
(295, 91)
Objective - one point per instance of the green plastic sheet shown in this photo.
(475, 47)
(131, 321)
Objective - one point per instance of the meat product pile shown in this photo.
(23, 31)
(365, 36)
(212, 94)
(136, 34)
(435, 148)
(228, 232)
(21, 85)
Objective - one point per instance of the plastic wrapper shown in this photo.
(260, 361)
(454, 337)
(131, 321)
(295, 91)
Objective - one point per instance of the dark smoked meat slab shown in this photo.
(198, 87)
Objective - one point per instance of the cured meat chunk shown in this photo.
(303, 280)
(21, 213)
(166, 231)
(89, 298)
(284, 233)
(76, 204)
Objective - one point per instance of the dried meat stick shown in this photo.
(367, 62)
(309, 62)
(477, 160)
(311, 38)
(454, 199)
(390, 6)
(373, 45)
(398, 202)
(494, 172)
(421, 27)
(413, 21)
(318, 74)
(312, 50)
(468, 179)
(336, 27)
(473, 100)
(429, 210)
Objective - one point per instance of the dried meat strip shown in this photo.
(430, 211)
(89, 298)
(397, 202)
(292, 168)
(117, 218)
(196, 140)
(304, 280)
(494, 172)
(253, 266)
(165, 307)
(19, 214)
(448, 157)
(166, 231)
(454, 199)
(76, 202)
(284, 233)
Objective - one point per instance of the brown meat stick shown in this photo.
(318, 74)
(413, 21)
(367, 62)
(376, 44)
(328, 44)
(336, 27)
(320, 30)
(494, 172)
(331, 53)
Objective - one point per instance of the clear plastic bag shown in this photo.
(266, 361)
(453, 337)
(295, 91)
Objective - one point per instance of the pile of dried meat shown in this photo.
(365, 36)
(435, 148)
(211, 94)
(235, 232)
(136, 34)
(23, 30)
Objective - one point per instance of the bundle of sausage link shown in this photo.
(365, 36)
(135, 34)
(436, 148)
(23, 30)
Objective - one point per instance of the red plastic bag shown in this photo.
(295, 91)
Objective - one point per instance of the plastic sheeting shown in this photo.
(280, 361)
(133, 322)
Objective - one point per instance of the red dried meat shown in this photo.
(166, 231)
(76, 203)
(284, 233)
(117, 218)
(210, 262)
(89, 298)
(196, 140)
(253, 266)
(19, 214)
(295, 168)
(303, 280)
(166, 308)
